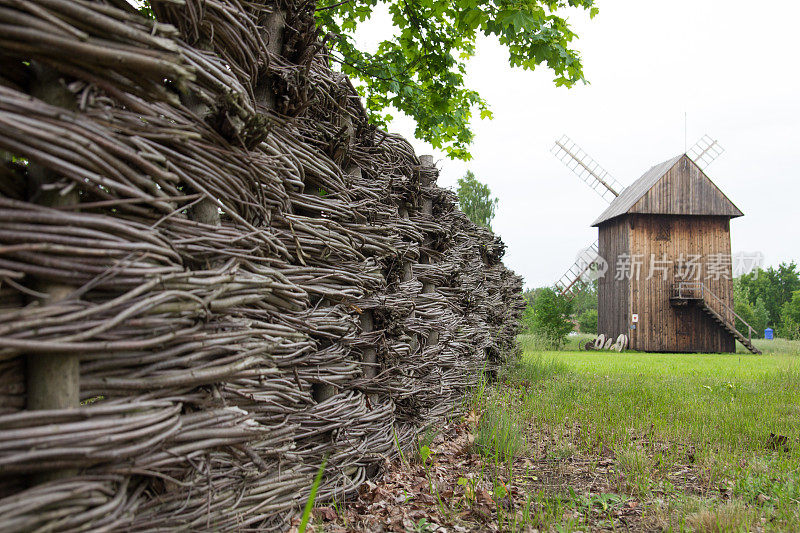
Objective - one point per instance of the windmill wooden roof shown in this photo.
(675, 187)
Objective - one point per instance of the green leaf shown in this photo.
(516, 20)
(311, 497)
(471, 18)
(424, 453)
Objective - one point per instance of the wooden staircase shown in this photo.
(697, 293)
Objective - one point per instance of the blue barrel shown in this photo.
(768, 333)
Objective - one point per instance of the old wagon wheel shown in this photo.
(599, 342)
(622, 342)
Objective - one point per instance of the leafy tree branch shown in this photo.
(421, 70)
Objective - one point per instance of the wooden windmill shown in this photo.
(671, 213)
(703, 153)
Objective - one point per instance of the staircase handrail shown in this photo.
(693, 290)
(727, 310)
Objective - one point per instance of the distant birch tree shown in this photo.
(475, 200)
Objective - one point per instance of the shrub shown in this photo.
(548, 317)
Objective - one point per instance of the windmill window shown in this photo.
(662, 233)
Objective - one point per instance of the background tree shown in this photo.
(585, 296)
(790, 318)
(745, 310)
(584, 305)
(760, 316)
(741, 303)
(587, 321)
(475, 200)
(774, 287)
(420, 70)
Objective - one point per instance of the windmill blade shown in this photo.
(580, 273)
(586, 169)
(705, 151)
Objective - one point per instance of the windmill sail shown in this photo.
(586, 168)
(705, 151)
(580, 273)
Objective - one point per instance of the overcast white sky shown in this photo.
(730, 65)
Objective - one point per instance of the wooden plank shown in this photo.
(684, 189)
(612, 293)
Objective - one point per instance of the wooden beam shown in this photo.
(52, 380)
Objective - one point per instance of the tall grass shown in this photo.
(532, 342)
(501, 431)
(534, 368)
(538, 342)
(774, 346)
(312, 496)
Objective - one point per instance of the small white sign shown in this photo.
(635, 317)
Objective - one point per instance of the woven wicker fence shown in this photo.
(214, 273)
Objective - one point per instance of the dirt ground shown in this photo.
(456, 488)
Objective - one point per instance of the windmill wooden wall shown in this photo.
(674, 211)
(613, 295)
(662, 327)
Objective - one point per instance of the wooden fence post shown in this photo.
(274, 25)
(407, 275)
(367, 319)
(52, 380)
(427, 208)
(323, 391)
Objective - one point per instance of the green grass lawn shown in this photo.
(706, 442)
(601, 441)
